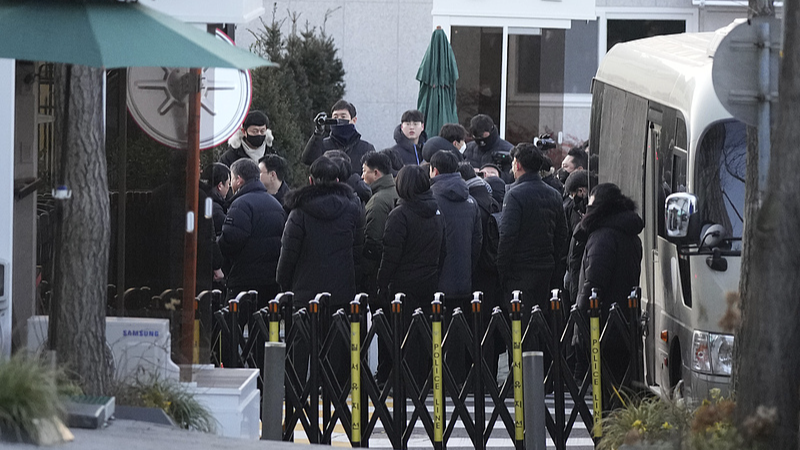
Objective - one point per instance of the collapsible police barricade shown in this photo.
(328, 381)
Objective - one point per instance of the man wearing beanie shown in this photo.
(253, 140)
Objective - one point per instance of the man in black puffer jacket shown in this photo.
(410, 137)
(251, 234)
(342, 137)
(533, 232)
(488, 147)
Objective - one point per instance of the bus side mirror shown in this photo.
(679, 210)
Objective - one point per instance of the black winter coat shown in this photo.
(533, 231)
(478, 156)
(487, 206)
(413, 245)
(409, 152)
(463, 233)
(355, 149)
(251, 236)
(322, 243)
(612, 258)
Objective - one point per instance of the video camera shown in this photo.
(544, 142)
(322, 120)
(501, 158)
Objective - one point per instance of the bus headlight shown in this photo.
(712, 353)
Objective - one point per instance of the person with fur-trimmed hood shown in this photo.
(253, 140)
(323, 238)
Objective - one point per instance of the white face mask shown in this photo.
(463, 148)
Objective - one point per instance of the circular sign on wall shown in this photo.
(158, 102)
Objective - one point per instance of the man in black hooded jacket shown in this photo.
(488, 147)
(342, 137)
(410, 137)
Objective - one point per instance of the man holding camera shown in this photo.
(343, 136)
(488, 147)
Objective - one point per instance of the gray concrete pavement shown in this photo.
(132, 435)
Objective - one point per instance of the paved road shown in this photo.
(579, 438)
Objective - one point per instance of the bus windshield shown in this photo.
(720, 177)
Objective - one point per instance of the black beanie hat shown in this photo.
(577, 179)
(256, 118)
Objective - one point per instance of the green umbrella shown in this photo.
(437, 76)
(110, 34)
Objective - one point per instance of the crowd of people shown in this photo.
(459, 212)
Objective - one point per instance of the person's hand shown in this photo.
(218, 275)
(319, 122)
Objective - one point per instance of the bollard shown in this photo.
(594, 333)
(634, 332)
(355, 370)
(196, 334)
(313, 379)
(477, 358)
(272, 396)
(438, 380)
(274, 319)
(535, 430)
(558, 382)
(516, 354)
(399, 399)
(233, 345)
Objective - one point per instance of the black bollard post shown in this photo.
(558, 382)
(313, 379)
(635, 335)
(399, 399)
(477, 361)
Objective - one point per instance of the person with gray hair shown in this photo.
(251, 234)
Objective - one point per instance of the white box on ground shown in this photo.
(138, 345)
(232, 397)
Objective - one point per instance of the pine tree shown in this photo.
(309, 79)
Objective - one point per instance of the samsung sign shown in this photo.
(140, 333)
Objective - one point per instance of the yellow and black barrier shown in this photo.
(438, 378)
(516, 357)
(355, 372)
(596, 363)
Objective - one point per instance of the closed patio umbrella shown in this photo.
(437, 76)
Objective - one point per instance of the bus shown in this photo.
(665, 139)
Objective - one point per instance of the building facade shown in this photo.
(526, 63)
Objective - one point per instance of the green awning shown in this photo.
(110, 34)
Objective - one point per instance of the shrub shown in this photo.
(171, 396)
(28, 392)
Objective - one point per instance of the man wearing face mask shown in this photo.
(343, 136)
(451, 137)
(577, 189)
(487, 146)
(253, 140)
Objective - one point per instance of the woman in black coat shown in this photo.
(413, 249)
(611, 263)
(613, 255)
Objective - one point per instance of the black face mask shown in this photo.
(255, 141)
(562, 175)
(487, 141)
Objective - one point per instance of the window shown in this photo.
(479, 52)
(629, 30)
(720, 176)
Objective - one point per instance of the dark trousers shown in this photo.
(338, 355)
(457, 356)
(416, 357)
